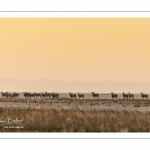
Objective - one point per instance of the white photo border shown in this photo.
(138, 12)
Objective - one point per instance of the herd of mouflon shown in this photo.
(56, 95)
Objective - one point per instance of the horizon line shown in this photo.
(72, 80)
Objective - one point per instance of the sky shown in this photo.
(75, 49)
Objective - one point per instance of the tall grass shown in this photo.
(75, 120)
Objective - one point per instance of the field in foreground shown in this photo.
(47, 119)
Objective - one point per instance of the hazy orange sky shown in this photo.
(75, 49)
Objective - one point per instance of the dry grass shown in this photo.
(74, 120)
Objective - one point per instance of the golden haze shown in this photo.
(87, 49)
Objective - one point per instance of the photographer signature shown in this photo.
(11, 121)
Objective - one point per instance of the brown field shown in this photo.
(66, 115)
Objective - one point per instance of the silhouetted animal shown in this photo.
(25, 94)
(4, 94)
(95, 95)
(55, 95)
(81, 95)
(125, 95)
(37, 95)
(144, 95)
(30, 95)
(15, 95)
(72, 95)
(114, 95)
(47, 95)
(131, 95)
(43, 95)
(8, 95)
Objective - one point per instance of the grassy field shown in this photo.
(46, 119)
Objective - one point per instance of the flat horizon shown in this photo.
(39, 85)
